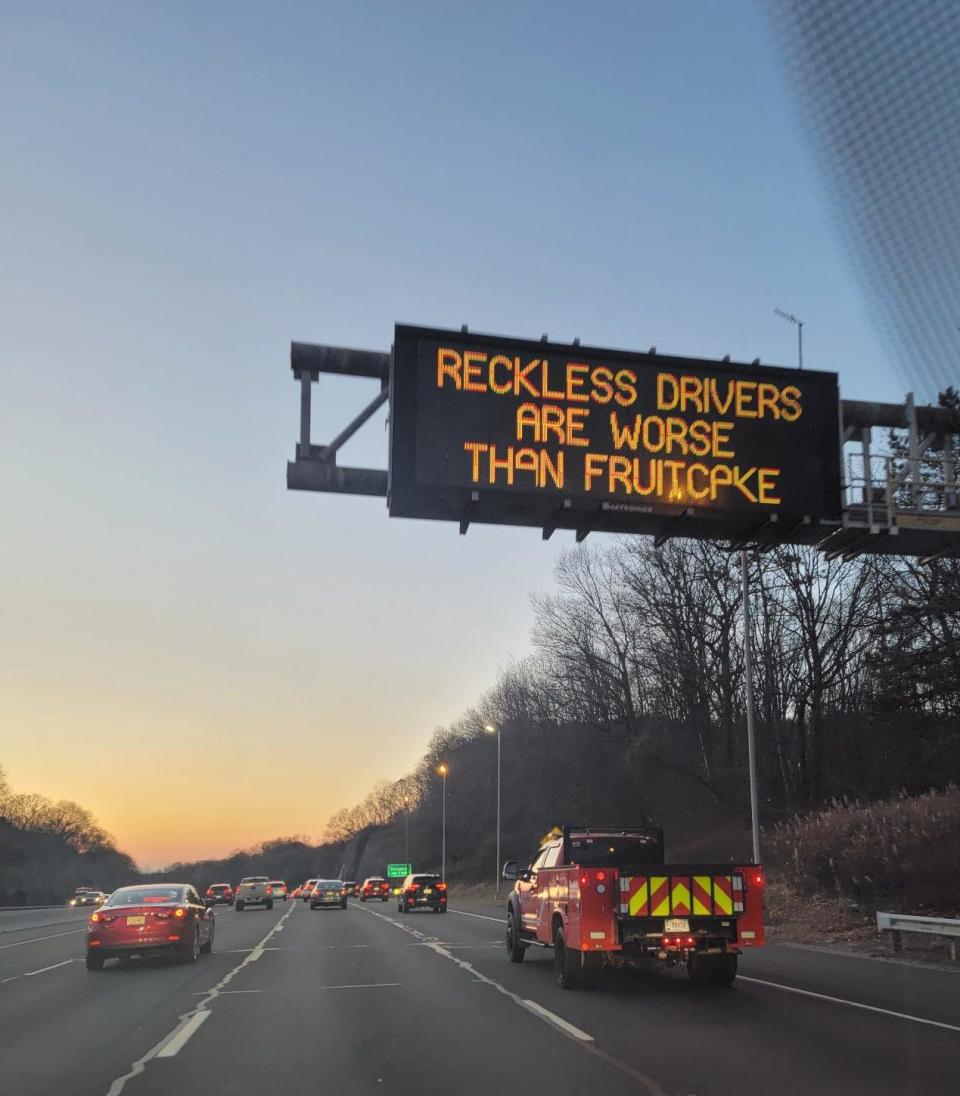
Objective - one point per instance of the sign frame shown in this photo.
(409, 496)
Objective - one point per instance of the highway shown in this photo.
(368, 1001)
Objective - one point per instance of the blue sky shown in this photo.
(186, 188)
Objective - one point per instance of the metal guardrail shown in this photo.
(896, 923)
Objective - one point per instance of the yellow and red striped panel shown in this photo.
(680, 895)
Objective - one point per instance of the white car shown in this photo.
(279, 889)
(253, 890)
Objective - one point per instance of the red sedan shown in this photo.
(140, 922)
(373, 888)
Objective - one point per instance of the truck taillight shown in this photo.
(600, 876)
(269, 889)
(756, 878)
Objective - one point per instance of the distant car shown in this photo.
(219, 893)
(351, 887)
(279, 889)
(375, 887)
(145, 921)
(253, 890)
(306, 888)
(87, 896)
(423, 892)
(328, 893)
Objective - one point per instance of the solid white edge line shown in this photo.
(37, 939)
(178, 1040)
(482, 916)
(553, 1018)
(850, 1004)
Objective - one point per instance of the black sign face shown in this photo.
(522, 432)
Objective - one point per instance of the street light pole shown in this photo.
(748, 682)
(406, 829)
(496, 731)
(790, 318)
(443, 830)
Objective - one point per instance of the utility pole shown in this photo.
(443, 830)
(748, 682)
(406, 829)
(496, 730)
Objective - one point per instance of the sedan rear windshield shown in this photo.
(146, 896)
(277, 883)
(220, 887)
(426, 880)
(255, 879)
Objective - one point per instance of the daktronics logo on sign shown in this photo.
(492, 429)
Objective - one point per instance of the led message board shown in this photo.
(516, 431)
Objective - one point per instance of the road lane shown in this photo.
(368, 998)
(69, 1031)
(348, 1003)
(795, 1044)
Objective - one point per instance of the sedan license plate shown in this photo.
(136, 920)
(428, 891)
(676, 924)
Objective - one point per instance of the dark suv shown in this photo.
(423, 892)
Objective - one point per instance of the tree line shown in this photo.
(48, 848)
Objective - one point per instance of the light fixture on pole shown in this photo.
(790, 318)
(490, 729)
(442, 770)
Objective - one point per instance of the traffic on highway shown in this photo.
(369, 991)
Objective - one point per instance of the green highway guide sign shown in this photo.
(398, 871)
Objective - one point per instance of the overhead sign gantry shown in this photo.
(561, 436)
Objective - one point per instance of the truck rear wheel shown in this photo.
(571, 969)
(516, 949)
(712, 970)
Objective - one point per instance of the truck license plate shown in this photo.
(676, 924)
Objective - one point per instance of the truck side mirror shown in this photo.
(511, 871)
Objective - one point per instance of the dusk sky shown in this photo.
(197, 655)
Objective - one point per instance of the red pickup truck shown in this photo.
(605, 897)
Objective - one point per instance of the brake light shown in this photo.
(441, 886)
(584, 879)
(414, 887)
(269, 889)
(600, 876)
(757, 878)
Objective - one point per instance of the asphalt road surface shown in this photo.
(367, 1000)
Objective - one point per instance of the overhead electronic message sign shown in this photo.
(536, 433)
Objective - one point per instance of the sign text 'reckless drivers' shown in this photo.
(644, 430)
